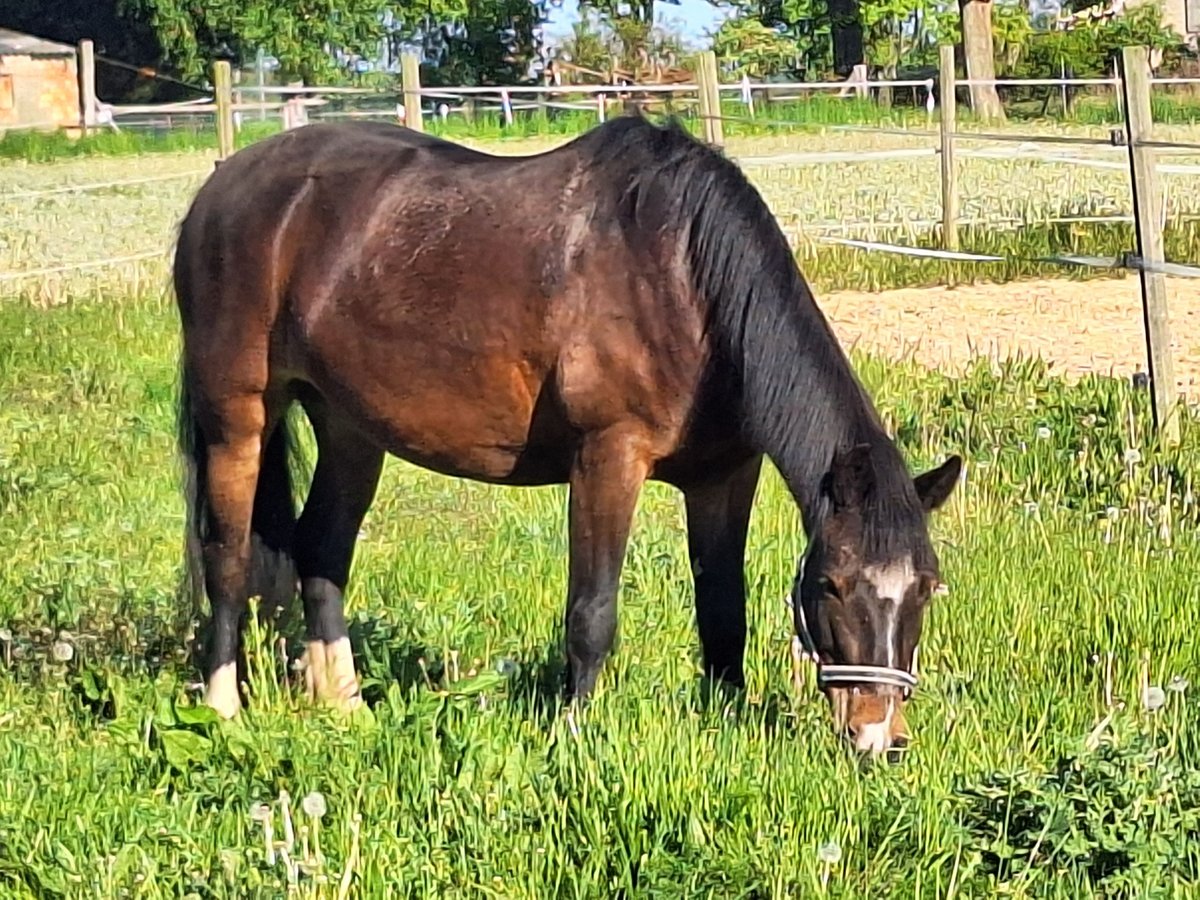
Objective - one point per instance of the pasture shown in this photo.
(1056, 735)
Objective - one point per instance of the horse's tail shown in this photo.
(271, 575)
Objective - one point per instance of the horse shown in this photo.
(618, 309)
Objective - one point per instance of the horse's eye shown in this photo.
(829, 588)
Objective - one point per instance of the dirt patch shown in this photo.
(1078, 327)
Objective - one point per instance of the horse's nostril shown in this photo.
(900, 741)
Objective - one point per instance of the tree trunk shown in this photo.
(979, 57)
(848, 45)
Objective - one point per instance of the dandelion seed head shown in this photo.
(313, 804)
(1154, 698)
(830, 853)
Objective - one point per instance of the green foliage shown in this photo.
(1089, 51)
(474, 41)
(297, 33)
(1122, 820)
(745, 46)
(611, 33)
(804, 25)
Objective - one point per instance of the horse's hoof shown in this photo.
(329, 675)
(221, 692)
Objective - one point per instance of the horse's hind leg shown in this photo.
(232, 468)
(607, 477)
(344, 483)
(718, 517)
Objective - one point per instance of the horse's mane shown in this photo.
(800, 400)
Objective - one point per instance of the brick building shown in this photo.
(39, 83)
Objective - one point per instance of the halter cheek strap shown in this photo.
(832, 674)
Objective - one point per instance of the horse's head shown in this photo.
(861, 592)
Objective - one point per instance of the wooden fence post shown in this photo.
(410, 81)
(947, 126)
(223, 95)
(710, 98)
(1147, 218)
(86, 65)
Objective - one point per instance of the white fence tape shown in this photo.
(80, 267)
(1126, 261)
(102, 185)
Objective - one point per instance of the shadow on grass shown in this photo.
(385, 656)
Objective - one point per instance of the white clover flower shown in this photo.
(62, 651)
(1043, 433)
(1133, 456)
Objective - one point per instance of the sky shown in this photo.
(691, 18)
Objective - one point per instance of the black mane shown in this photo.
(800, 400)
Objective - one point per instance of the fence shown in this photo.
(226, 107)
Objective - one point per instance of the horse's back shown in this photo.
(474, 313)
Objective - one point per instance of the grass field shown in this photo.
(1057, 738)
(1037, 768)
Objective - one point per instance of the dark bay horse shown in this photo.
(618, 309)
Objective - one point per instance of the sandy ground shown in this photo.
(1077, 327)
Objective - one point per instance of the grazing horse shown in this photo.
(621, 308)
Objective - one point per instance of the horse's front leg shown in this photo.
(606, 479)
(718, 516)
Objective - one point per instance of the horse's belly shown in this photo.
(485, 423)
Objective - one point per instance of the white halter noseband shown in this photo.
(833, 674)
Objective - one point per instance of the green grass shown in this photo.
(1070, 552)
(43, 146)
(833, 267)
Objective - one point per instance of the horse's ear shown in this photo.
(851, 477)
(935, 486)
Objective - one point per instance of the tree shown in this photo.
(748, 47)
(301, 34)
(805, 25)
(632, 24)
(475, 41)
(979, 57)
(633, 45)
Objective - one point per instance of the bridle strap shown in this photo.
(867, 674)
(834, 674)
